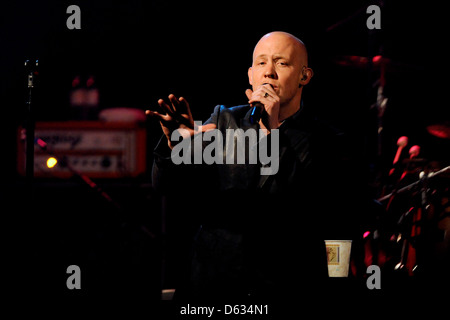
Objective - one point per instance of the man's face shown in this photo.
(277, 60)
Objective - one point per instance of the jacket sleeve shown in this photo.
(164, 172)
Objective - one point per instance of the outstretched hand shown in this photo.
(177, 116)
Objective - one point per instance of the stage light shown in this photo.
(376, 59)
(51, 162)
(399, 266)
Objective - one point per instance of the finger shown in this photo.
(269, 89)
(164, 106)
(268, 96)
(263, 93)
(184, 107)
(151, 113)
(188, 120)
(162, 117)
(174, 101)
(249, 93)
(261, 96)
(266, 89)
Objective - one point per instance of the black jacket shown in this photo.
(262, 234)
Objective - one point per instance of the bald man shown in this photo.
(277, 75)
(260, 236)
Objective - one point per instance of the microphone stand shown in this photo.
(415, 231)
(409, 187)
(31, 70)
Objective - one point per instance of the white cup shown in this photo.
(338, 257)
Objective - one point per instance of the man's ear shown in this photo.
(250, 76)
(306, 75)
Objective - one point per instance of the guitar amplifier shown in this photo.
(97, 149)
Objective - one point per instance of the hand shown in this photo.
(267, 96)
(177, 116)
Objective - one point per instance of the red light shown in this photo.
(41, 143)
(75, 81)
(376, 59)
(366, 234)
(90, 82)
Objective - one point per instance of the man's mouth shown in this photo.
(273, 86)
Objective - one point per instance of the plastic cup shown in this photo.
(338, 257)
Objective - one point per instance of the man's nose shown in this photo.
(270, 71)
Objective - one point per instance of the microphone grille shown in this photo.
(414, 150)
(402, 141)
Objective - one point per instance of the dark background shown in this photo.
(140, 51)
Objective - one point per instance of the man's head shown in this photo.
(281, 59)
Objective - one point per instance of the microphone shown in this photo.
(257, 110)
(402, 142)
(255, 115)
(414, 151)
